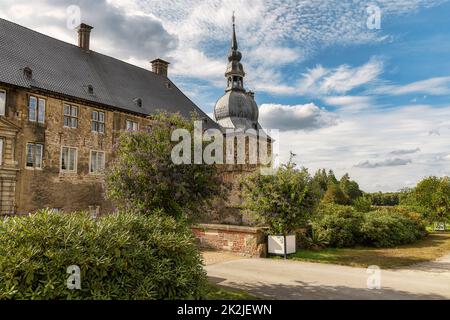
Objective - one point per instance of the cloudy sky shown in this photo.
(345, 95)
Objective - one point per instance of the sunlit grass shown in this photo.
(433, 247)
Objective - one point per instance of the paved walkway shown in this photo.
(215, 257)
(279, 279)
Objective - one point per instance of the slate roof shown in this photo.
(66, 69)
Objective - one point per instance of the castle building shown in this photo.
(62, 108)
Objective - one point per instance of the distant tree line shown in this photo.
(344, 191)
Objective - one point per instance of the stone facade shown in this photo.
(247, 241)
(25, 189)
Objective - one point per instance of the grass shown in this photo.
(221, 293)
(436, 245)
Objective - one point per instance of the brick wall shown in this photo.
(248, 241)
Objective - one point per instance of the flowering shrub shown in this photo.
(120, 256)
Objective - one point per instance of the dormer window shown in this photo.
(168, 85)
(28, 73)
(90, 89)
(138, 102)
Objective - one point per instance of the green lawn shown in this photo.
(221, 293)
(434, 246)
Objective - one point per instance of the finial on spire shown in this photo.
(234, 45)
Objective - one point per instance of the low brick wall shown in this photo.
(248, 241)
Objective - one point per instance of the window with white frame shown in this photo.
(36, 109)
(132, 125)
(34, 155)
(69, 159)
(98, 121)
(2, 102)
(70, 116)
(97, 162)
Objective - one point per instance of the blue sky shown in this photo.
(374, 103)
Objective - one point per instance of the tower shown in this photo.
(237, 108)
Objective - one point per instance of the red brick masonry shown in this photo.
(248, 241)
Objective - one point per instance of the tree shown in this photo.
(432, 194)
(331, 178)
(334, 194)
(143, 178)
(350, 188)
(321, 179)
(283, 201)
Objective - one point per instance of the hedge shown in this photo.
(120, 256)
(339, 225)
(343, 226)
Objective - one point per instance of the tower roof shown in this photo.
(234, 44)
(237, 108)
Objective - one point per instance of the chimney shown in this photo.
(160, 67)
(84, 34)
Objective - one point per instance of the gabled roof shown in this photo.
(66, 69)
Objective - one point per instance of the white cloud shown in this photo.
(372, 136)
(404, 151)
(385, 163)
(349, 103)
(320, 81)
(432, 86)
(299, 117)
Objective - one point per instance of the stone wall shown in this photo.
(247, 241)
(49, 186)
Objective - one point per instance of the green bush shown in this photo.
(120, 256)
(283, 201)
(389, 228)
(362, 204)
(338, 225)
(343, 226)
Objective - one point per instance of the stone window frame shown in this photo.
(98, 122)
(134, 122)
(38, 110)
(66, 171)
(70, 116)
(2, 146)
(3, 107)
(90, 162)
(34, 167)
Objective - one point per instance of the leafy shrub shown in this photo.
(143, 176)
(316, 240)
(362, 204)
(335, 194)
(339, 225)
(343, 226)
(388, 228)
(283, 201)
(120, 256)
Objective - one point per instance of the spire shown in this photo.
(235, 71)
(234, 44)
